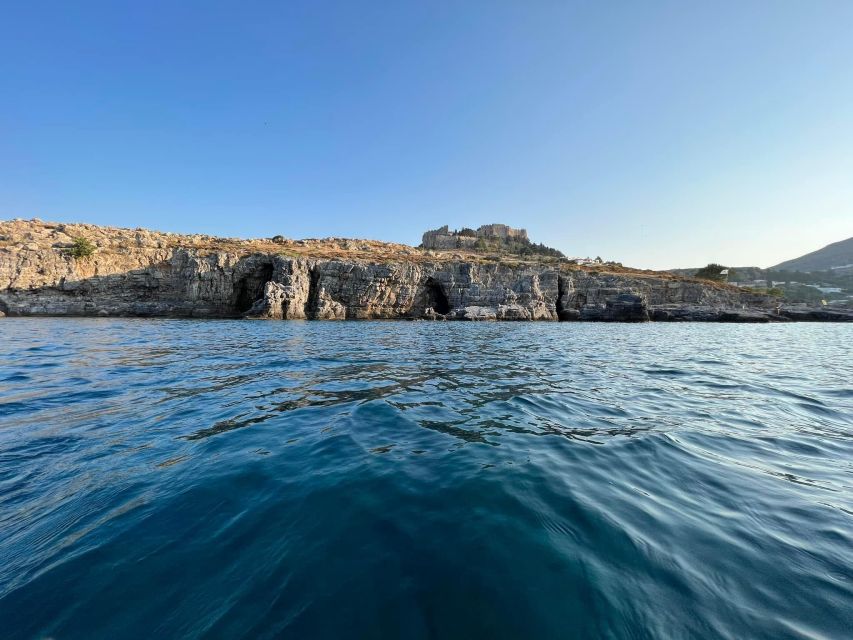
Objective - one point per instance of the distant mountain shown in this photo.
(817, 277)
(837, 254)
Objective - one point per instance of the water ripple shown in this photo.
(425, 480)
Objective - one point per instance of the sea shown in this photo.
(266, 479)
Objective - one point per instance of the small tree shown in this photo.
(82, 248)
(713, 272)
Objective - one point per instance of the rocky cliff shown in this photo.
(144, 273)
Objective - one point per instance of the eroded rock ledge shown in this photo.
(143, 273)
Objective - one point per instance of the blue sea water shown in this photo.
(233, 479)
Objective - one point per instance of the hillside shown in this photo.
(837, 254)
(122, 245)
(81, 269)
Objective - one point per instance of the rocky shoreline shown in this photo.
(142, 273)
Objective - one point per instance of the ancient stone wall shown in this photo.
(146, 278)
(443, 239)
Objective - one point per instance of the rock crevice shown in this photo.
(140, 274)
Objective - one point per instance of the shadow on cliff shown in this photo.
(250, 287)
(436, 298)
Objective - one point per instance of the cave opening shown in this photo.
(436, 298)
(561, 288)
(250, 288)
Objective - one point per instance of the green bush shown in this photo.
(82, 248)
(712, 272)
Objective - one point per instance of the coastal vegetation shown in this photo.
(816, 287)
(516, 247)
(713, 271)
(82, 248)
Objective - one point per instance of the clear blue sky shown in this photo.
(660, 134)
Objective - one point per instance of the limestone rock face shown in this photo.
(143, 273)
(812, 314)
(616, 307)
(699, 313)
(271, 305)
(285, 295)
(354, 290)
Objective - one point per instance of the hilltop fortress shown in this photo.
(57, 269)
(443, 238)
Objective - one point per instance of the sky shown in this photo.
(658, 134)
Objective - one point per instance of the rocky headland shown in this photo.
(136, 272)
